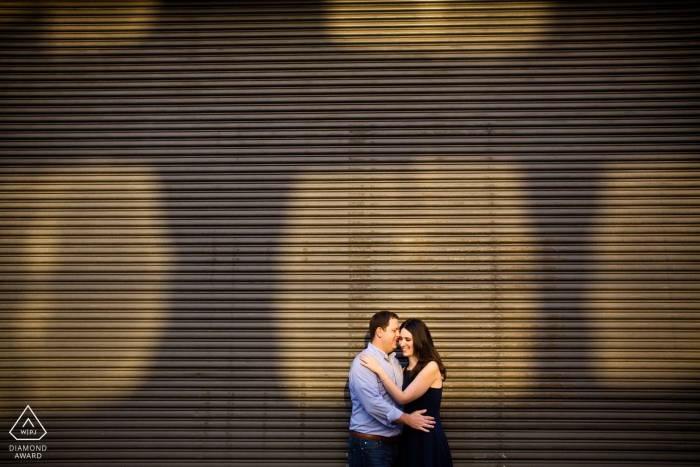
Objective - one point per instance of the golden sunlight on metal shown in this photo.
(81, 27)
(432, 28)
(666, 352)
(80, 291)
(379, 229)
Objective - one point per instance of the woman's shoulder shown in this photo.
(430, 367)
(432, 372)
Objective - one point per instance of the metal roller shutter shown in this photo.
(203, 205)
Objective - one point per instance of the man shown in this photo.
(375, 423)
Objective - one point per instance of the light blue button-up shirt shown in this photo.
(373, 409)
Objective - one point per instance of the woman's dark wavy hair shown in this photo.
(423, 347)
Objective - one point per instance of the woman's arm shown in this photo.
(417, 388)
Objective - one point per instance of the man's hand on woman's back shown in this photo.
(417, 420)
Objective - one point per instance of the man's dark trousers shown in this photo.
(371, 453)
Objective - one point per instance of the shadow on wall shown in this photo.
(222, 186)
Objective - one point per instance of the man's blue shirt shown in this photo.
(373, 409)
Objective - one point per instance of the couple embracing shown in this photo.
(395, 419)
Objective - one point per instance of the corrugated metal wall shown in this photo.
(202, 206)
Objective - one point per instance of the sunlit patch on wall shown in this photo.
(427, 28)
(79, 27)
(436, 241)
(639, 323)
(92, 272)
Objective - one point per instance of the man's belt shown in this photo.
(386, 439)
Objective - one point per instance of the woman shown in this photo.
(422, 389)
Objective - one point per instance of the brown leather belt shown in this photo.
(385, 439)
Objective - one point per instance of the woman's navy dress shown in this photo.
(418, 448)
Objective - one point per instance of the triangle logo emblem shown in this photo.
(28, 427)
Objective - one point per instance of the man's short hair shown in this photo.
(380, 320)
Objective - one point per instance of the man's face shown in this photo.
(389, 336)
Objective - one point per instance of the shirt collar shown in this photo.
(375, 350)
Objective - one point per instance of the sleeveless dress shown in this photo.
(418, 448)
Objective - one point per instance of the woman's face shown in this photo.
(406, 343)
